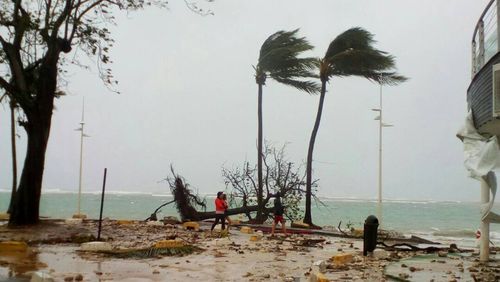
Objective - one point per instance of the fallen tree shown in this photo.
(187, 202)
(280, 175)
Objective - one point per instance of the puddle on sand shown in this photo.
(64, 261)
(430, 267)
(17, 266)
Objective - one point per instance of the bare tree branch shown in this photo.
(9, 88)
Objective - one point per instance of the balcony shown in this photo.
(485, 55)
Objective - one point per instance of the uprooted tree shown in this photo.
(189, 203)
(280, 175)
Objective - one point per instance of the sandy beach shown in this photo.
(54, 249)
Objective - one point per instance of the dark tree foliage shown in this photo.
(186, 201)
(38, 39)
(279, 175)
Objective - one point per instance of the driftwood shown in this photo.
(307, 242)
(431, 249)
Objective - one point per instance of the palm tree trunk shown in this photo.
(260, 189)
(14, 155)
(307, 215)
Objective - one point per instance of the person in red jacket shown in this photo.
(220, 210)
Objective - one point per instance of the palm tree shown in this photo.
(350, 53)
(278, 59)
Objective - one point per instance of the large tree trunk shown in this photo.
(260, 188)
(14, 154)
(307, 215)
(206, 215)
(27, 200)
(26, 207)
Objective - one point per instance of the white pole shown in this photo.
(498, 29)
(380, 161)
(480, 60)
(473, 63)
(81, 158)
(380, 151)
(485, 225)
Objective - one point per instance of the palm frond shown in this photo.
(283, 44)
(391, 78)
(352, 53)
(152, 252)
(293, 74)
(279, 59)
(306, 86)
(355, 38)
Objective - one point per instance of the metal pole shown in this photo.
(380, 150)
(81, 158)
(379, 208)
(81, 161)
(485, 225)
(480, 60)
(498, 29)
(102, 204)
(473, 63)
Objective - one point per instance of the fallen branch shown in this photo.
(153, 216)
(431, 249)
(152, 252)
(340, 230)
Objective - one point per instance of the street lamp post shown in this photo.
(82, 135)
(381, 125)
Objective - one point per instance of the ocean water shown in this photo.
(450, 221)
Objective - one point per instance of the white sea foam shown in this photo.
(113, 192)
(372, 200)
(162, 195)
(56, 191)
(119, 192)
(495, 235)
(455, 233)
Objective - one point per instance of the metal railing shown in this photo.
(486, 35)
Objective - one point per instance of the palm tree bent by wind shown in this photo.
(349, 54)
(278, 59)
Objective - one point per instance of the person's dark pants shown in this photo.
(222, 219)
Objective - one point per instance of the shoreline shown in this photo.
(213, 196)
(441, 220)
(466, 238)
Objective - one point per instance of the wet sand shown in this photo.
(54, 250)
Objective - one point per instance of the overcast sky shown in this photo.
(189, 98)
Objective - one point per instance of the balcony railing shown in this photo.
(486, 35)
